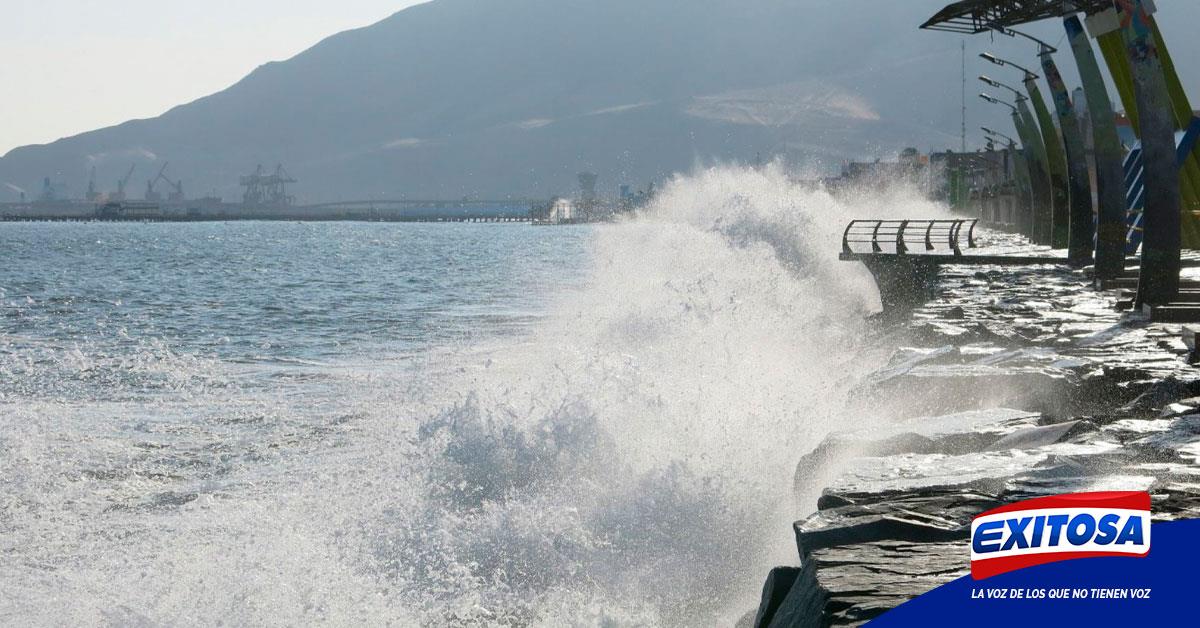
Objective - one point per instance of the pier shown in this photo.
(403, 210)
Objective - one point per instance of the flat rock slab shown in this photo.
(862, 582)
(1179, 442)
(915, 518)
(995, 423)
(1037, 437)
(850, 586)
(960, 433)
(909, 473)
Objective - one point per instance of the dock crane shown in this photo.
(153, 195)
(92, 194)
(119, 195)
(267, 190)
(176, 193)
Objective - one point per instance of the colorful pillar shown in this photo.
(1081, 227)
(1024, 190)
(1106, 28)
(1055, 231)
(1110, 175)
(1039, 169)
(1161, 239)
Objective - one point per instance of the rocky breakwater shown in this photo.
(1011, 384)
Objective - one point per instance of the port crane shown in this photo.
(267, 190)
(119, 195)
(175, 195)
(92, 194)
(153, 195)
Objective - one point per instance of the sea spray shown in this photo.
(627, 460)
(637, 452)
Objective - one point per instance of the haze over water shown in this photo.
(286, 423)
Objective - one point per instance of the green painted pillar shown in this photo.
(1161, 224)
(1081, 223)
(1057, 231)
(958, 188)
(1024, 189)
(1039, 168)
(1111, 231)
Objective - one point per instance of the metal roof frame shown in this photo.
(978, 16)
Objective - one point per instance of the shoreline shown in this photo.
(1009, 384)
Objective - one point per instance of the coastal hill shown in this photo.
(458, 98)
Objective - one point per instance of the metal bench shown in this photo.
(904, 256)
(903, 236)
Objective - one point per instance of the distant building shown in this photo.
(562, 210)
(558, 211)
(909, 167)
(980, 182)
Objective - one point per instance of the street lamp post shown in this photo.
(1056, 159)
(995, 135)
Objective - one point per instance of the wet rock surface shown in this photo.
(1013, 383)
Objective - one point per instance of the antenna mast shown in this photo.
(964, 96)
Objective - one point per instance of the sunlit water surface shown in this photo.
(364, 424)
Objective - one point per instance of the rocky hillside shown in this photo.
(487, 97)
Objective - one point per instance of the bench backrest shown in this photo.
(908, 236)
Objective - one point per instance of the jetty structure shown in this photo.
(1027, 361)
(267, 196)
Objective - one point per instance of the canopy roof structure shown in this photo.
(977, 16)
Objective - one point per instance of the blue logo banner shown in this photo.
(1158, 589)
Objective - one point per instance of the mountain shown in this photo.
(490, 98)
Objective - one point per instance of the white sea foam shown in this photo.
(628, 462)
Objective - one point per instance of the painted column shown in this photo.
(1111, 41)
(1055, 231)
(1161, 235)
(1039, 170)
(1024, 189)
(1110, 174)
(1081, 227)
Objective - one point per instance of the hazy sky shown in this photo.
(68, 66)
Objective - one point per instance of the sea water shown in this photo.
(276, 423)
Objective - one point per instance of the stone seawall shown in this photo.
(1009, 384)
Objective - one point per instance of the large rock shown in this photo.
(932, 517)
(846, 586)
(860, 583)
(952, 434)
(804, 604)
